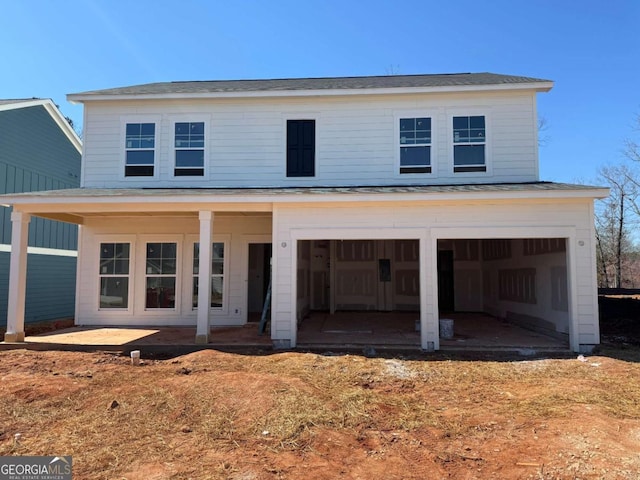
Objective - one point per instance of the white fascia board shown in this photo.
(537, 86)
(52, 110)
(265, 202)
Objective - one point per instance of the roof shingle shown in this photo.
(328, 83)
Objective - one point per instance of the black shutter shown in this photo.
(301, 148)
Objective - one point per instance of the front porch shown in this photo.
(320, 330)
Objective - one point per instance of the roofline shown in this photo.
(161, 200)
(55, 113)
(544, 86)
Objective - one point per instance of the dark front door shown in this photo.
(445, 281)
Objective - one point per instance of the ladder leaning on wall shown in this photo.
(266, 307)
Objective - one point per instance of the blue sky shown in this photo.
(591, 49)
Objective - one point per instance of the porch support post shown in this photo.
(204, 276)
(17, 277)
(429, 338)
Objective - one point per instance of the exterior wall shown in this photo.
(36, 155)
(50, 286)
(430, 222)
(235, 231)
(356, 139)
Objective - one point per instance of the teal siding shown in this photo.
(32, 140)
(51, 283)
(35, 154)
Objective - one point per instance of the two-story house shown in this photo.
(39, 150)
(393, 193)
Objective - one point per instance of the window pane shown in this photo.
(161, 292)
(107, 267)
(114, 292)
(168, 267)
(148, 129)
(476, 135)
(133, 129)
(407, 138)
(197, 128)
(139, 171)
(169, 250)
(468, 154)
(407, 124)
(460, 123)
(217, 267)
(182, 128)
(216, 291)
(122, 250)
(121, 267)
(196, 257)
(218, 250)
(190, 158)
(139, 157)
(107, 250)
(412, 156)
(423, 124)
(476, 122)
(195, 293)
(154, 250)
(147, 142)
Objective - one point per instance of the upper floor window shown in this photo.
(189, 149)
(415, 145)
(140, 146)
(469, 144)
(301, 148)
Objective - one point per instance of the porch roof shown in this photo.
(73, 205)
(296, 194)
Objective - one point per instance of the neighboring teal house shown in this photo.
(39, 150)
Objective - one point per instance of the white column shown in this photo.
(204, 276)
(17, 277)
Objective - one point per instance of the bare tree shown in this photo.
(615, 218)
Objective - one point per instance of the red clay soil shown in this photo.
(307, 416)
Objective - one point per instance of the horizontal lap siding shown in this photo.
(355, 139)
(232, 228)
(51, 283)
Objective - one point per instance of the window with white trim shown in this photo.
(469, 144)
(415, 145)
(217, 274)
(160, 273)
(189, 149)
(114, 275)
(140, 144)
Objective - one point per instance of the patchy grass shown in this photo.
(297, 415)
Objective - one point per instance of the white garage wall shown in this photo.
(441, 220)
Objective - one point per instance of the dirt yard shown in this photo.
(311, 416)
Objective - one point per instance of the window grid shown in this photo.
(189, 149)
(469, 144)
(415, 145)
(161, 275)
(113, 275)
(217, 275)
(139, 149)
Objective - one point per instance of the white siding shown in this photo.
(231, 229)
(356, 140)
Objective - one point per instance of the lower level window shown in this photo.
(161, 275)
(114, 275)
(217, 274)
